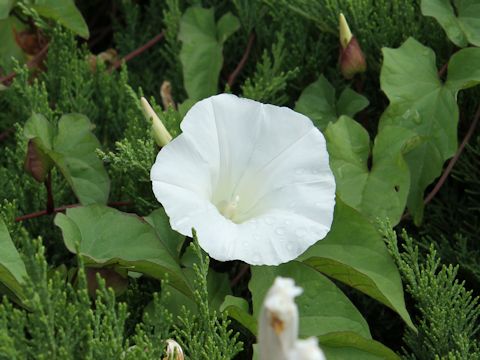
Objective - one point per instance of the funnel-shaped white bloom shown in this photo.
(278, 320)
(307, 349)
(252, 179)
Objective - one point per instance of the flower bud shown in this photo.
(37, 162)
(166, 95)
(352, 61)
(307, 349)
(174, 351)
(278, 322)
(160, 133)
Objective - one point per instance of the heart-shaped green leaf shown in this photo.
(323, 308)
(12, 268)
(354, 253)
(107, 237)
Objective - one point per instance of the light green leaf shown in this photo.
(354, 253)
(462, 28)
(65, 12)
(107, 237)
(226, 26)
(237, 308)
(319, 103)
(38, 127)
(5, 7)
(9, 48)
(201, 53)
(464, 69)
(172, 240)
(424, 110)
(73, 150)
(12, 268)
(350, 103)
(348, 345)
(380, 191)
(323, 308)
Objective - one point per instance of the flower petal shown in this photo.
(252, 179)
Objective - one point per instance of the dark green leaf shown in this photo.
(348, 345)
(237, 308)
(73, 150)
(5, 7)
(319, 103)
(380, 191)
(464, 69)
(462, 23)
(201, 53)
(9, 48)
(12, 268)
(65, 12)
(323, 308)
(421, 109)
(172, 240)
(354, 253)
(108, 237)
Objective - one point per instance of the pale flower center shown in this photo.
(229, 208)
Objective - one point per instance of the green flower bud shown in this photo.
(352, 61)
(160, 133)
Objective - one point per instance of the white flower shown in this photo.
(174, 351)
(307, 349)
(252, 179)
(278, 320)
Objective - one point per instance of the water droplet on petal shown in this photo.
(315, 171)
(287, 222)
(289, 247)
(280, 231)
(318, 204)
(269, 221)
(301, 232)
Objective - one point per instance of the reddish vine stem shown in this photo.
(63, 208)
(30, 64)
(138, 51)
(455, 158)
(241, 273)
(233, 76)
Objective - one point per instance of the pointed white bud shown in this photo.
(160, 133)
(174, 351)
(307, 349)
(278, 323)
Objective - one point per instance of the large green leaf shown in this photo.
(237, 308)
(422, 108)
(354, 253)
(460, 20)
(379, 191)
(5, 7)
(65, 12)
(323, 308)
(348, 345)
(464, 69)
(73, 150)
(319, 103)
(8, 46)
(172, 240)
(201, 53)
(107, 237)
(12, 268)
